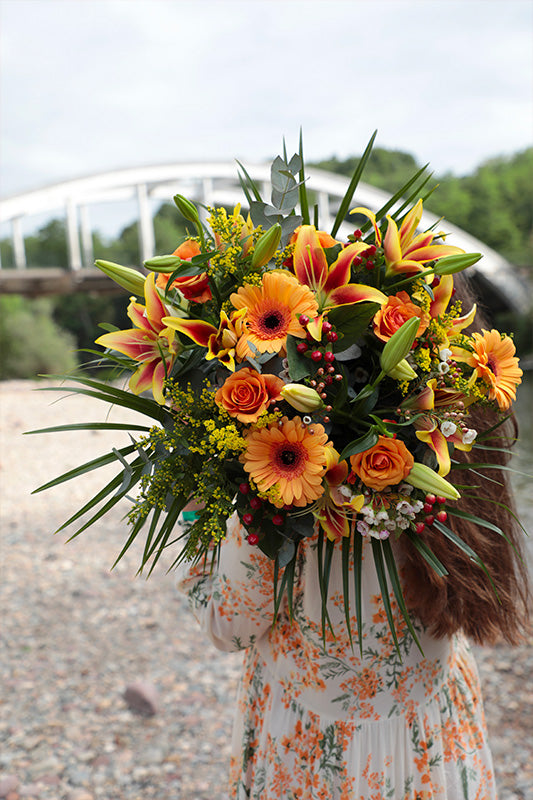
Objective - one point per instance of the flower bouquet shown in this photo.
(316, 386)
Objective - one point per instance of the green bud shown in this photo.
(266, 246)
(399, 345)
(164, 264)
(129, 279)
(187, 209)
(450, 264)
(423, 477)
(302, 398)
(403, 371)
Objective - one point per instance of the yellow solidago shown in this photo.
(267, 418)
(422, 356)
(282, 255)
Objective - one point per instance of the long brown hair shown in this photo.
(465, 599)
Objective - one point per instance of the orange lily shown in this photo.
(330, 283)
(427, 427)
(405, 252)
(151, 342)
(442, 294)
(335, 510)
(221, 342)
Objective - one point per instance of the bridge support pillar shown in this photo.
(86, 237)
(146, 225)
(73, 239)
(19, 251)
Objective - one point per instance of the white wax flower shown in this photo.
(448, 428)
(469, 436)
(443, 367)
(445, 354)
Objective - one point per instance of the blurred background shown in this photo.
(96, 87)
(97, 98)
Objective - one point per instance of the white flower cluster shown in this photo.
(381, 523)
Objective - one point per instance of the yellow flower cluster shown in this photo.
(282, 255)
(422, 356)
(272, 494)
(267, 418)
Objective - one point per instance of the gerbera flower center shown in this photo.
(291, 458)
(272, 323)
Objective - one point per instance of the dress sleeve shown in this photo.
(234, 604)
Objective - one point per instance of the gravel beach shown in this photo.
(76, 635)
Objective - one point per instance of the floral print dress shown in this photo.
(322, 723)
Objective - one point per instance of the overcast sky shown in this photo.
(91, 85)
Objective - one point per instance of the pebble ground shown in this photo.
(75, 634)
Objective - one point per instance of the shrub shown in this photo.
(30, 341)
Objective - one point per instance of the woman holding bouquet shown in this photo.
(319, 716)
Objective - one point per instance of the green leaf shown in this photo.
(322, 583)
(346, 545)
(356, 177)
(389, 204)
(299, 366)
(90, 504)
(351, 321)
(304, 200)
(426, 553)
(483, 523)
(382, 580)
(95, 463)
(251, 183)
(134, 478)
(360, 445)
(453, 537)
(110, 394)
(91, 426)
(358, 585)
(397, 589)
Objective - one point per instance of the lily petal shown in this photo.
(391, 243)
(436, 440)
(355, 293)
(196, 329)
(339, 271)
(310, 263)
(139, 344)
(372, 217)
(442, 294)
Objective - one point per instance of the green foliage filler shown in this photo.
(494, 203)
(30, 341)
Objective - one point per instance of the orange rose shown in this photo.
(193, 287)
(385, 464)
(247, 393)
(392, 315)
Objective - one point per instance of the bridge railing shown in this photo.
(209, 184)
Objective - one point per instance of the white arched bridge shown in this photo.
(208, 183)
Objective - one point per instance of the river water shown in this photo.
(523, 459)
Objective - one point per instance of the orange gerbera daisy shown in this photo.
(273, 310)
(494, 361)
(289, 456)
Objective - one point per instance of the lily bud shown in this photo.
(302, 398)
(164, 264)
(450, 264)
(266, 246)
(129, 279)
(399, 345)
(403, 371)
(423, 477)
(187, 209)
